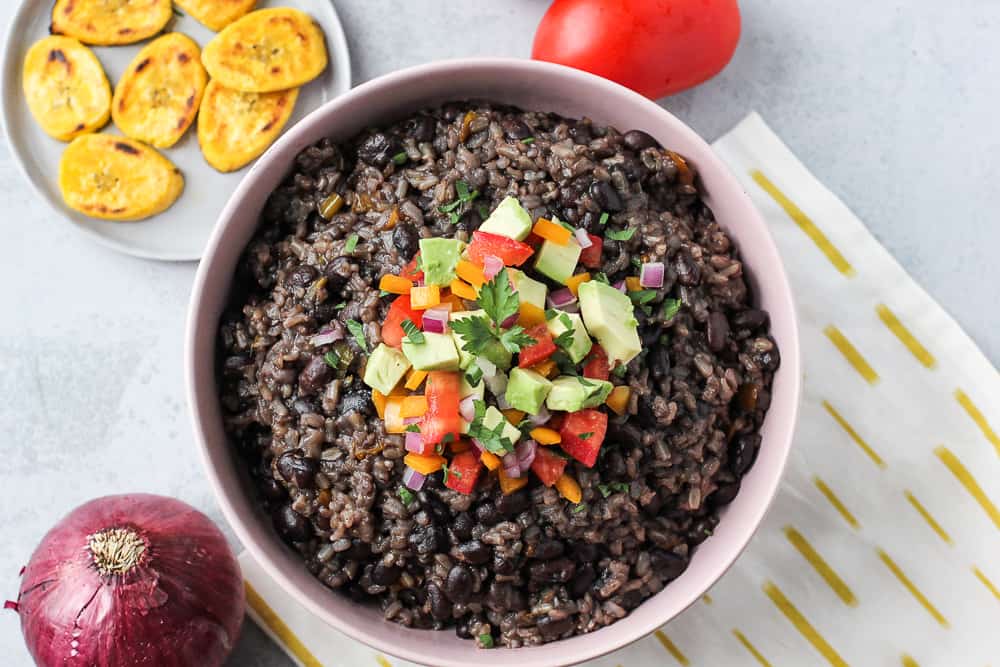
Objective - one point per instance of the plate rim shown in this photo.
(340, 52)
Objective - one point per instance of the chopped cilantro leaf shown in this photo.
(406, 495)
(498, 298)
(352, 243)
(605, 491)
(582, 507)
(585, 382)
(486, 639)
(332, 359)
(637, 263)
(621, 487)
(620, 371)
(620, 235)
(412, 428)
(484, 211)
(586, 436)
(400, 158)
(551, 314)
(340, 306)
(604, 219)
(490, 439)
(413, 334)
(358, 331)
(514, 339)
(499, 302)
(601, 277)
(476, 333)
(670, 308)
(642, 296)
(528, 140)
(444, 469)
(564, 340)
(464, 197)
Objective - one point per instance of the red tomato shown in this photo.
(541, 350)
(463, 471)
(590, 423)
(591, 257)
(442, 392)
(655, 47)
(513, 253)
(412, 270)
(392, 328)
(548, 466)
(534, 240)
(597, 366)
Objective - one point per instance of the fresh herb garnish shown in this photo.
(406, 496)
(490, 439)
(605, 491)
(582, 507)
(400, 158)
(352, 243)
(413, 334)
(646, 308)
(412, 428)
(586, 383)
(358, 331)
(642, 296)
(620, 371)
(586, 436)
(601, 277)
(486, 639)
(603, 220)
(564, 363)
(340, 306)
(499, 301)
(637, 263)
(474, 375)
(484, 211)
(446, 471)
(670, 308)
(621, 487)
(565, 339)
(448, 438)
(464, 196)
(620, 235)
(551, 314)
(332, 359)
(528, 140)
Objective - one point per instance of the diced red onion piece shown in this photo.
(478, 445)
(511, 465)
(542, 417)
(571, 308)
(526, 454)
(467, 408)
(561, 298)
(436, 319)
(411, 420)
(488, 368)
(620, 286)
(413, 479)
(414, 442)
(583, 238)
(328, 335)
(492, 265)
(651, 274)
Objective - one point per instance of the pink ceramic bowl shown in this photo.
(530, 85)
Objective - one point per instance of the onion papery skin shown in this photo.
(180, 605)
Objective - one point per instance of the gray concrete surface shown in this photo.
(892, 104)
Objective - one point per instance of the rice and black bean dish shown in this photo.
(494, 370)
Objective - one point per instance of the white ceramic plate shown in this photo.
(180, 232)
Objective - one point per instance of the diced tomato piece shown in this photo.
(597, 367)
(548, 466)
(590, 423)
(463, 471)
(541, 350)
(442, 392)
(591, 257)
(412, 269)
(513, 253)
(392, 328)
(534, 240)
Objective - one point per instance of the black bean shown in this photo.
(386, 575)
(356, 400)
(659, 361)
(687, 270)
(742, 451)
(462, 526)
(475, 552)
(545, 549)
(637, 140)
(667, 564)
(421, 128)
(314, 376)
(439, 509)
(487, 514)
(653, 506)
(750, 319)
(515, 129)
(631, 599)
(297, 468)
(463, 629)
(748, 396)
(581, 132)
(470, 221)
(301, 275)
(585, 552)
(406, 239)
(379, 148)
(584, 579)
(428, 540)
(513, 504)
(718, 330)
(360, 550)
(439, 603)
(725, 494)
(700, 531)
(605, 196)
(633, 168)
(559, 570)
(503, 597)
(291, 525)
(272, 489)
(458, 585)
(505, 565)
(768, 360)
(552, 629)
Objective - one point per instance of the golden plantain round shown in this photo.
(65, 87)
(116, 178)
(158, 96)
(216, 14)
(235, 127)
(110, 22)
(267, 50)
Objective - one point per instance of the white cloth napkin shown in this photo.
(882, 546)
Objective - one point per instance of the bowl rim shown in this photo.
(628, 629)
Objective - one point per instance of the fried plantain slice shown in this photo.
(116, 178)
(110, 22)
(267, 50)
(157, 97)
(235, 127)
(65, 88)
(216, 14)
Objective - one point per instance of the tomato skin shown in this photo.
(591, 257)
(463, 471)
(597, 366)
(513, 253)
(541, 350)
(548, 466)
(584, 450)
(654, 47)
(392, 327)
(442, 391)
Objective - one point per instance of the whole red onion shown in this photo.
(132, 580)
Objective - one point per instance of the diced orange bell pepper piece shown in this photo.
(393, 218)
(425, 464)
(574, 282)
(618, 399)
(511, 484)
(513, 416)
(413, 406)
(414, 379)
(378, 398)
(456, 303)
(464, 290)
(632, 284)
(470, 273)
(547, 368)
(545, 436)
(490, 460)
(395, 284)
(530, 315)
(393, 417)
(424, 297)
(569, 489)
(552, 231)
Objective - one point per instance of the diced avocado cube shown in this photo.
(529, 290)
(466, 389)
(527, 390)
(494, 351)
(436, 353)
(581, 344)
(492, 417)
(572, 393)
(385, 368)
(558, 261)
(438, 259)
(508, 219)
(610, 318)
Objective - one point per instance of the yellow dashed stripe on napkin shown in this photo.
(273, 622)
(908, 661)
(978, 417)
(854, 435)
(835, 501)
(912, 588)
(966, 479)
(741, 638)
(833, 580)
(851, 354)
(804, 223)
(905, 337)
(382, 662)
(672, 648)
(931, 521)
(812, 635)
(986, 582)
